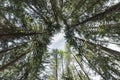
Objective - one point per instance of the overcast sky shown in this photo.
(58, 41)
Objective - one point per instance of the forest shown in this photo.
(91, 30)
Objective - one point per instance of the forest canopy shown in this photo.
(90, 26)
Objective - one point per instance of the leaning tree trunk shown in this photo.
(17, 35)
(101, 15)
(112, 52)
(14, 61)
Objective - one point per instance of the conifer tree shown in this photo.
(27, 28)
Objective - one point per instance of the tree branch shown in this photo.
(101, 15)
(112, 52)
(17, 35)
(14, 61)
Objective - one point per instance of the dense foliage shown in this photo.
(90, 26)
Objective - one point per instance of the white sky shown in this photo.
(58, 42)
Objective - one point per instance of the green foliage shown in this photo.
(90, 26)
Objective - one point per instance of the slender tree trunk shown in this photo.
(13, 61)
(3, 51)
(112, 52)
(56, 60)
(17, 35)
(62, 65)
(81, 67)
(80, 4)
(89, 63)
(39, 13)
(25, 75)
(105, 27)
(54, 8)
(80, 76)
(101, 15)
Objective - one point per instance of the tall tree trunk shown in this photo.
(55, 9)
(62, 64)
(5, 50)
(112, 52)
(56, 66)
(80, 4)
(80, 76)
(17, 35)
(95, 68)
(101, 15)
(13, 61)
(81, 66)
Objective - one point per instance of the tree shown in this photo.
(27, 26)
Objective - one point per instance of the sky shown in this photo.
(58, 41)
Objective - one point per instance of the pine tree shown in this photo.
(27, 28)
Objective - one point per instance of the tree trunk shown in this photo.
(112, 52)
(17, 35)
(101, 15)
(56, 61)
(13, 61)
(81, 66)
(5, 50)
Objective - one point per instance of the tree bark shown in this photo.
(81, 66)
(112, 52)
(3, 51)
(13, 61)
(17, 35)
(101, 15)
(56, 62)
